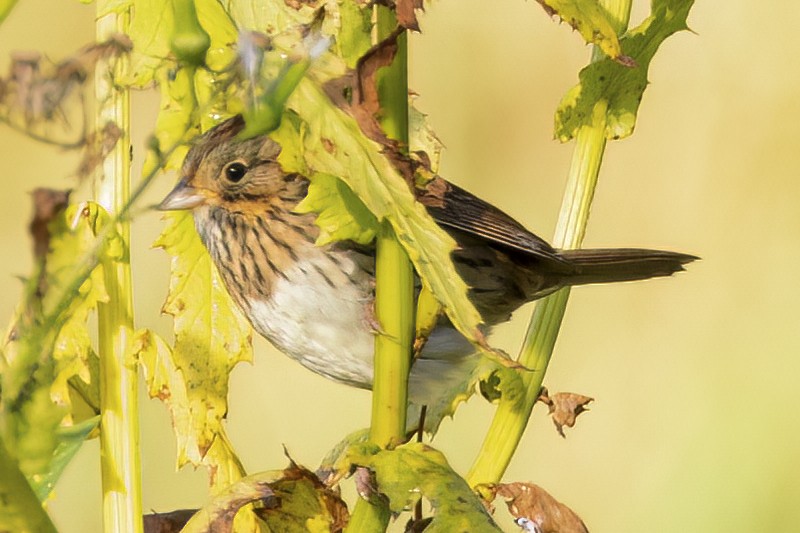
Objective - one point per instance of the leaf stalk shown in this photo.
(394, 291)
(511, 417)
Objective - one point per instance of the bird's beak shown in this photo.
(183, 196)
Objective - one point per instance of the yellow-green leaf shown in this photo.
(334, 144)
(416, 470)
(590, 20)
(621, 88)
(48, 341)
(211, 335)
(341, 215)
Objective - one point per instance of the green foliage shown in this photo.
(592, 22)
(48, 341)
(620, 87)
(211, 336)
(340, 214)
(415, 470)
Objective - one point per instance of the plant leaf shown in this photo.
(48, 342)
(416, 470)
(211, 336)
(294, 501)
(340, 214)
(70, 440)
(619, 86)
(564, 407)
(590, 20)
(534, 509)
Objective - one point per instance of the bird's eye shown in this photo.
(235, 171)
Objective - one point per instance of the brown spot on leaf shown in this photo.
(564, 407)
(626, 61)
(329, 145)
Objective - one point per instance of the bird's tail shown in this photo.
(605, 265)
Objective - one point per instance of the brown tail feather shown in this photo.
(604, 265)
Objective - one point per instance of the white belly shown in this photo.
(329, 329)
(325, 328)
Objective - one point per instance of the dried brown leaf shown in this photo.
(406, 14)
(364, 105)
(38, 96)
(170, 522)
(98, 145)
(47, 204)
(535, 510)
(564, 407)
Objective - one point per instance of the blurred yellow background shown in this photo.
(695, 377)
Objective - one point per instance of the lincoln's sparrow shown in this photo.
(314, 303)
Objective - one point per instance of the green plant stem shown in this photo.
(511, 417)
(20, 509)
(119, 427)
(394, 306)
(5, 8)
(394, 291)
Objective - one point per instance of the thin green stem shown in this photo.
(394, 291)
(119, 435)
(20, 509)
(511, 417)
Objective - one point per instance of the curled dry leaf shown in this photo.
(534, 509)
(564, 407)
(406, 13)
(293, 499)
(364, 105)
(98, 145)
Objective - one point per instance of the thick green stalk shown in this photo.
(511, 417)
(119, 426)
(394, 306)
(20, 509)
(394, 291)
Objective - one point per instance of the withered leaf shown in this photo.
(36, 98)
(564, 407)
(169, 522)
(535, 510)
(365, 92)
(98, 145)
(406, 14)
(47, 204)
(291, 500)
(364, 105)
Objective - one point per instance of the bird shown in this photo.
(315, 303)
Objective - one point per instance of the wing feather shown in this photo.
(453, 207)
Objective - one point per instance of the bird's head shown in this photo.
(221, 169)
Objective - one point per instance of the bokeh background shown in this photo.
(695, 377)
